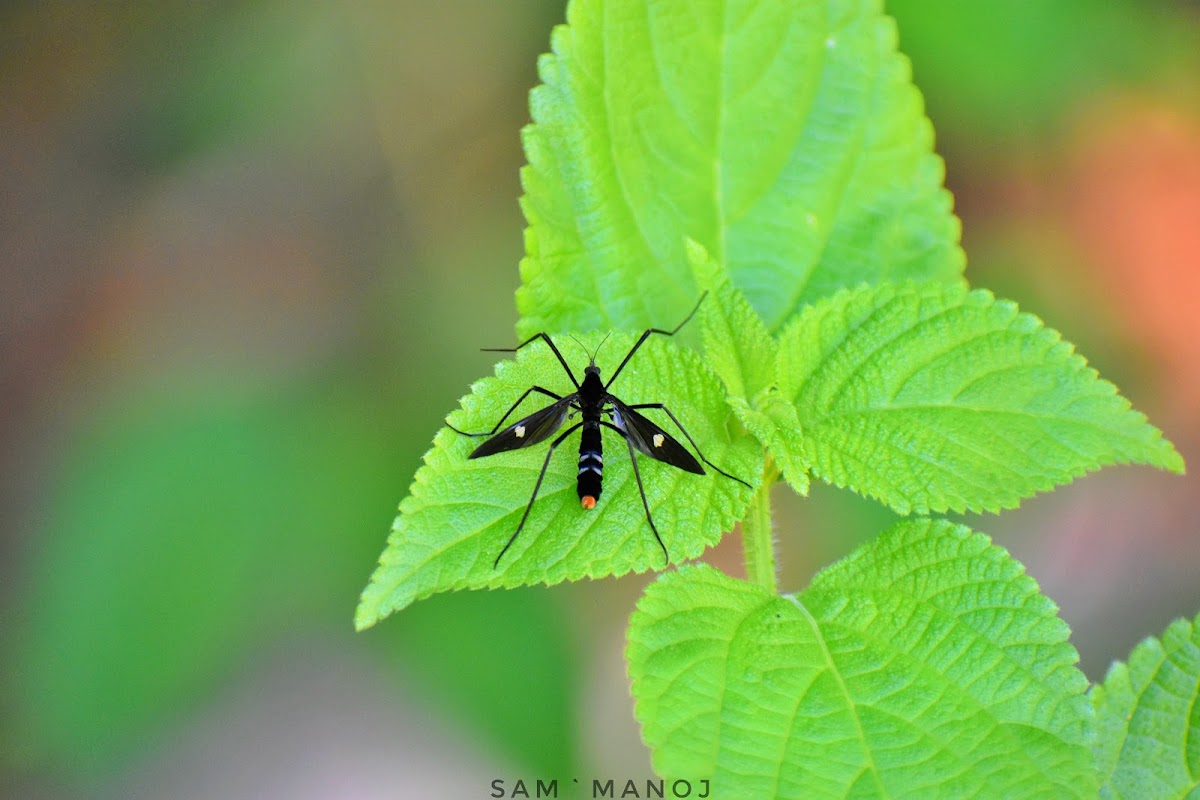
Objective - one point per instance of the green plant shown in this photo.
(777, 155)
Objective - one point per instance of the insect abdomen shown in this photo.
(591, 465)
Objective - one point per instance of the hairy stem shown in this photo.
(757, 541)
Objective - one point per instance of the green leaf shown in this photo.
(786, 138)
(737, 345)
(777, 427)
(1148, 718)
(932, 398)
(740, 349)
(926, 664)
(460, 512)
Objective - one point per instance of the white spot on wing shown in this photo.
(658, 440)
(519, 431)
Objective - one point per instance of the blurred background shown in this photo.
(248, 253)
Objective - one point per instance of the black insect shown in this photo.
(598, 409)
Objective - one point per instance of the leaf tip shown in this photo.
(1173, 461)
(365, 616)
(697, 253)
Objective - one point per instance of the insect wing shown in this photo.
(537, 427)
(648, 438)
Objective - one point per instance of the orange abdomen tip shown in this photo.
(587, 501)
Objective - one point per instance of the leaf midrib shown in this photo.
(819, 638)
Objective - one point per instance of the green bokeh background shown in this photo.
(248, 253)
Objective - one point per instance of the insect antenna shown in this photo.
(596, 352)
(591, 354)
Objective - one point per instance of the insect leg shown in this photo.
(696, 447)
(536, 487)
(533, 338)
(646, 335)
(641, 489)
(528, 391)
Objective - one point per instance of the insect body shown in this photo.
(598, 410)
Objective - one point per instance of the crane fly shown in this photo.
(598, 410)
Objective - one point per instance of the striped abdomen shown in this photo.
(591, 465)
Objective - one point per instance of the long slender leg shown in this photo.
(533, 338)
(695, 446)
(528, 391)
(536, 486)
(646, 335)
(641, 489)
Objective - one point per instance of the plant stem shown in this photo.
(757, 541)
